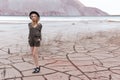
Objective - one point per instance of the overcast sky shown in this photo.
(110, 6)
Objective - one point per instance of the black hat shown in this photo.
(34, 12)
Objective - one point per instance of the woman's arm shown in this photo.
(40, 29)
(29, 30)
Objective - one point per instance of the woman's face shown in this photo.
(34, 17)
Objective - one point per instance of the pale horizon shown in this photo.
(112, 7)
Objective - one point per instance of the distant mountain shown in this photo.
(48, 8)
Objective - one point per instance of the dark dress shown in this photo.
(34, 35)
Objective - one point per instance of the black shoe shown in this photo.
(36, 70)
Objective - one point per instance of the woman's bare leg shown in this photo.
(31, 50)
(35, 56)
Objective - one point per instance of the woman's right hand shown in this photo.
(39, 40)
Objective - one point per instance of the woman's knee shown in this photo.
(34, 53)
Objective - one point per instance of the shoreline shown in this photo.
(25, 19)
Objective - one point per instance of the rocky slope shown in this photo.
(48, 8)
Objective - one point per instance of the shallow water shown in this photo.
(25, 19)
(14, 22)
(80, 23)
(61, 26)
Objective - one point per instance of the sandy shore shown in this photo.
(85, 50)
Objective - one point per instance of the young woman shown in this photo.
(35, 37)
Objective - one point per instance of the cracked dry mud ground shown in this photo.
(92, 57)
